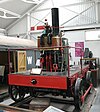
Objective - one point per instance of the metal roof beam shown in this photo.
(68, 5)
(94, 20)
(81, 27)
(29, 11)
(75, 4)
(5, 12)
(31, 1)
(76, 15)
(2, 30)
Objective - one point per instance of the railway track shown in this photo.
(64, 104)
(53, 101)
(26, 100)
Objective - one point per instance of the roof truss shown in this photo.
(8, 14)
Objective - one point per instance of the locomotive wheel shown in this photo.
(79, 91)
(16, 93)
(88, 80)
(88, 77)
(33, 93)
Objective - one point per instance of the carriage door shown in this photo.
(21, 57)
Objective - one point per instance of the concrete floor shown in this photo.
(3, 89)
(96, 103)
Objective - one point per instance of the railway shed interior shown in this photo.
(49, 55)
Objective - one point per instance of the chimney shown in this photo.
(55, 21)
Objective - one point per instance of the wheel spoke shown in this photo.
(78, 93)
(16, 96)
(16, 93)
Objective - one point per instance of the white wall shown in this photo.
(34, 36)
(75, 36)
(94, 47)
(79, 36)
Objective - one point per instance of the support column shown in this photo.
(28, 26)
(97, 7)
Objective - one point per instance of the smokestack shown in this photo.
(55, 21)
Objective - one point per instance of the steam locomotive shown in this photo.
(53, 73)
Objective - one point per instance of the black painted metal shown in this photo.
(17, 104)
(16, 92)
(55, 21)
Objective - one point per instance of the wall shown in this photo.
(75, 36)
(94, 47)
(34, 36)
(79, 36)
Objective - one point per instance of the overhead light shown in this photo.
(31, 1)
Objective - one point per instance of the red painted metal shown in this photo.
(40, 27)
(68, 65)
(93, 70)
(55, 67)
(81, 63)
(41, 62)
(47, 63)
(83, 97)
(52, 82)
(35, 49)
(32, 28)
(35, 56)
(73, 77)
(50, 62)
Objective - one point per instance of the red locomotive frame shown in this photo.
(42, 82)
(47, 82)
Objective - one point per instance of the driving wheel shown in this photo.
(79, 91)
